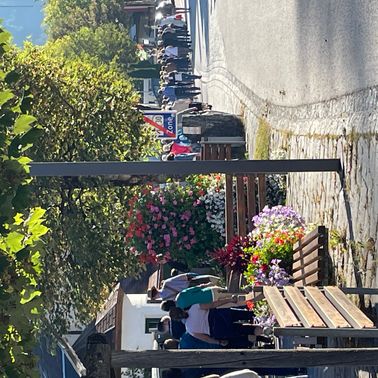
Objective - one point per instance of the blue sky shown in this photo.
(23, 22)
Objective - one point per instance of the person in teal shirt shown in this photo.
(214, 296)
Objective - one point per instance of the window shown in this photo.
(151, 324)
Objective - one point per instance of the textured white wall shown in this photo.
(310, 50)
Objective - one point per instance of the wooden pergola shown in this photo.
(238, 359)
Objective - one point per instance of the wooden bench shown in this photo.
(321, 312)
(310, 259)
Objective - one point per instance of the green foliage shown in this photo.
(262, 142)
(68, 16)
(21, 230)
(88, 113)
(108, 43)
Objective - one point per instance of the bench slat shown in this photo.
(319, 231)
(311, 280)
(304, 270)
(314, 256)
(315, 245)
(324, 308)
(280, 308)
(347, 308)
(302, 308)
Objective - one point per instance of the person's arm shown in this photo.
(207, 338)
(219, 302)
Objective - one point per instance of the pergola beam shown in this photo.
(181, 168)
(247, 358)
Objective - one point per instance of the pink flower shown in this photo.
(185, 238)
(174, 202)
(187, 246)
(163, 226)
(165, 219)
(167, 240)
(149, 246)
(191, 231)
(186, 215)
(190, 193)
(174, 232)
(156, 226)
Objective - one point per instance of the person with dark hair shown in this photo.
(167, 305)
(175, 328)
(171, 344)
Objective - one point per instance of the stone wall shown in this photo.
(344, 128)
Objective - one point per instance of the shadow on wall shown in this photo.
(332, 43)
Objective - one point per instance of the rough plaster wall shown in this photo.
(321, 53)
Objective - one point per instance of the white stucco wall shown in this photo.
(309, 49)
(134, 312)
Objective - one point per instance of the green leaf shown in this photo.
(5, 37)
(22, 143)
(22, 197)
(18, 219)
(29, 295)
(14, 241)
(23, 123)
(36, 261)
(5, 96)
(31, 136)
(12, 77)
(23, 254)
(25, 161)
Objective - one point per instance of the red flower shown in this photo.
(255, 259)
(250, 305)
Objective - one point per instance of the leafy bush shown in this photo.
(88, 113)
(21, 229)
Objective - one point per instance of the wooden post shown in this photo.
(240, 207)
(251, 200)
(245, 358)
(229, 211)
(262, 191)
(98, 357)
(222, 151)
